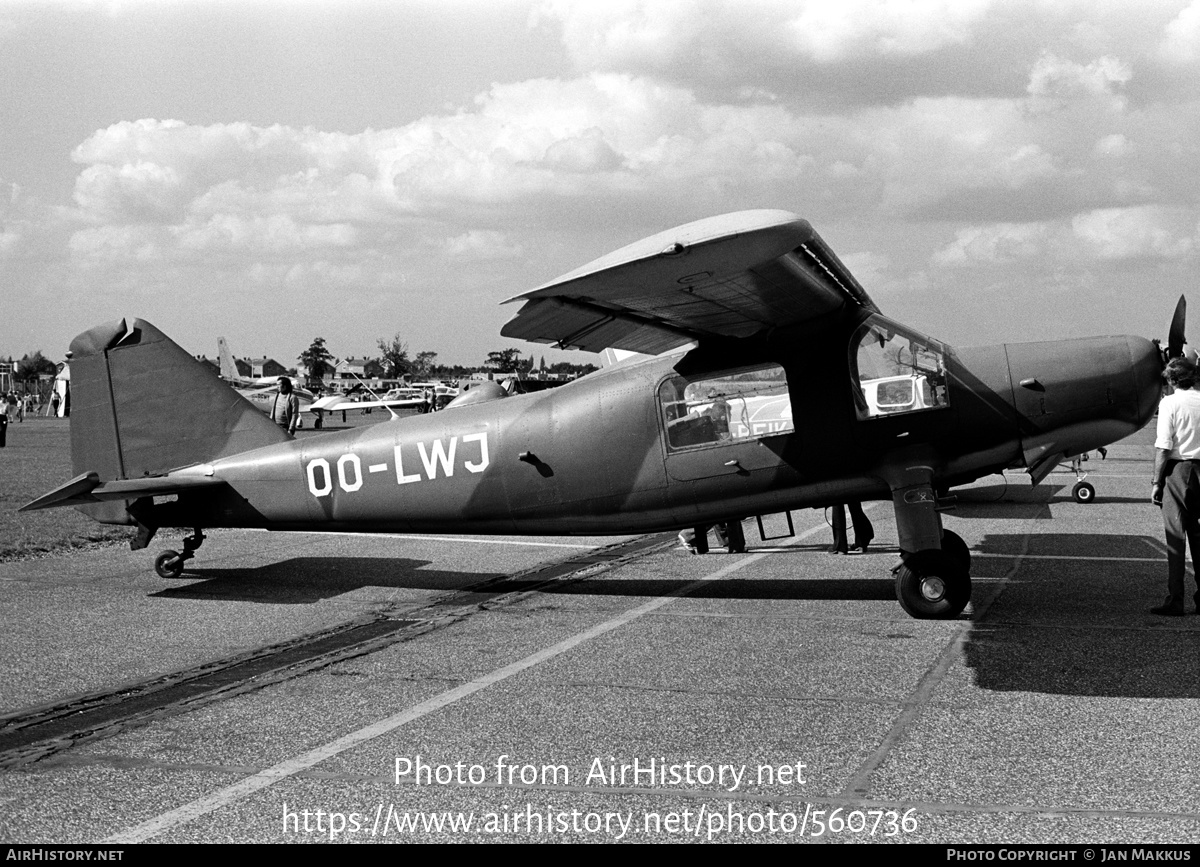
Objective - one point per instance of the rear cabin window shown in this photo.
(725, 407)
(896, 371)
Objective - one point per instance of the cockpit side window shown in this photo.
(725, 407)
(895, 370)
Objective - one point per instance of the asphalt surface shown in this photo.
(779, 695)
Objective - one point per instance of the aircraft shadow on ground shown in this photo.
(1082, 627)
(852, 589)
(1058, 626)
(999, 500)
(304, 580)
(982, 505)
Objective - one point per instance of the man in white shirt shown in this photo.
(1176, 484)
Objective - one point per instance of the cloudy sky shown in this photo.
(275, 171)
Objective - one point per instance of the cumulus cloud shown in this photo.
(1127, 233)
(834, 31)
(988, 135)
(1100, 235)
(1181, 37)
(858, 52)
(554, 152)
(1054, 82)
(997, 243)
(480, 244)
(277, 189)
(662, 33)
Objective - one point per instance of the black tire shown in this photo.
(1083, 493)
(953, 544)
(168, 565)
(933, 585)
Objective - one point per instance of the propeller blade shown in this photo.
(1176, 337)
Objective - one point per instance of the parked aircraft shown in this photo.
(417, 397)
(260, 391)
(776, 384)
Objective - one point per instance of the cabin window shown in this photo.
(725, 407)
(895, 370)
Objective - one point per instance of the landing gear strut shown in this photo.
(933, 580)
(169, 564)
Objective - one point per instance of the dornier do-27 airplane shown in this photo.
(776, 384)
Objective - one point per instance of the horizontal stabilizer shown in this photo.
(88, 488)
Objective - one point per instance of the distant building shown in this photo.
(349, 372)
(260, 367)
(351, 369)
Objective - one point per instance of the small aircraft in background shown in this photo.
(416, 397)
(260, 391)
(773, 383)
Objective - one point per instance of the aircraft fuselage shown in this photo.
(596, 456)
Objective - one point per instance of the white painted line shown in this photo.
(472, 540)
(1070, 557)
(261, 780)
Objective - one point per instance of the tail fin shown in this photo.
(229, 371)
(142, 406)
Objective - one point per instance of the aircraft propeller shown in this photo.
(1176, 338)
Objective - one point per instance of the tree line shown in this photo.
(394, 362)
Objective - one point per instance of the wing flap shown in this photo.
(729, 276)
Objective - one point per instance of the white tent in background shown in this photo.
(62, 385)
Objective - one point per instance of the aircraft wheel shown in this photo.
(933, 585)
(169, 565)
(953, 544)
(1083, 492)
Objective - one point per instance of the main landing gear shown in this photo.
(169, 564)
(933, 580)
(935, 584)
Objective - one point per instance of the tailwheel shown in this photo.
(934, 584)
(169, 565)
(1083, 492)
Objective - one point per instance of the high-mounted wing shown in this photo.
(728, 276)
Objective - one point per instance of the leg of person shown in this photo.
(730, 536)
(837, 518)
(1174, 510)
(1191, 527)
(735, 539)
(864, 532)
(695, 539)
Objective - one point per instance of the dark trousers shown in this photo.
(864, 532)
(1181, 522)
(729, 536)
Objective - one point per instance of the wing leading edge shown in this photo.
(727, 276)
